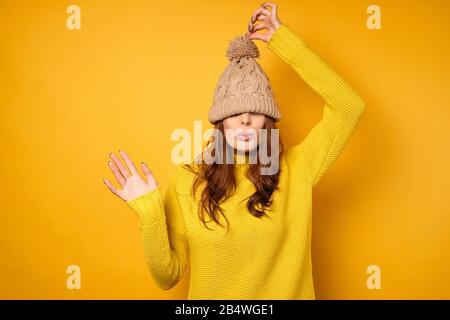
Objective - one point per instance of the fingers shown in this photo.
(262, 14)
(148, 173)
(273, 14)
(258, 12)
(129, 162)
(257, 27)
(261, 17)
(112, 188)
(271, 5)
(124, 172)
(119, 177)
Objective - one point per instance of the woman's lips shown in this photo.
(244, 137)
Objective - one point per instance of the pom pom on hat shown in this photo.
(242, 46)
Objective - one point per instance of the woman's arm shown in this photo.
(166, 248)
(342, 110)
(161, 224)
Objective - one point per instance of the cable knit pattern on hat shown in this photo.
(243, 86)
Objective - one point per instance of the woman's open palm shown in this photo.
(130, 181)
(269, 21)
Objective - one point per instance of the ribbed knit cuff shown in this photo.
(149, 207)
(239, 104)
(286, 43)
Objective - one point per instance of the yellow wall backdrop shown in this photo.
(138, 70)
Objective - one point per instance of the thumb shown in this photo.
(255, 35)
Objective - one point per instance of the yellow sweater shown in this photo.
(258, 258)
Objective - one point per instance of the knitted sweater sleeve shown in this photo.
(342, 110)
(161, 225)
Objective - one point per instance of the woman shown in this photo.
(264, 252)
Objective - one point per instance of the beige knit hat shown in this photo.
(243, 86)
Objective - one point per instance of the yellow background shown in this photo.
(137, 70)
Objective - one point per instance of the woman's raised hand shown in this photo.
(131, 182)
(269, 22)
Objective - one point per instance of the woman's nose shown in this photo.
(245, 119)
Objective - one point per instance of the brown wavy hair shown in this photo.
(221, 183)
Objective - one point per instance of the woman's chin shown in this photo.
(245, 146)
